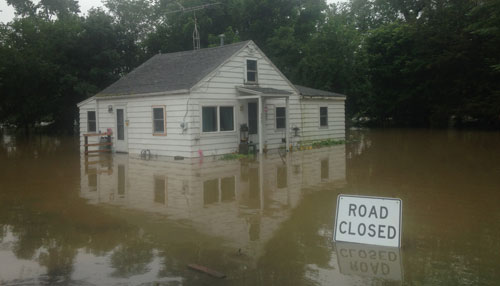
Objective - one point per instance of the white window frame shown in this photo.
(256, 71)
(155, 133)
(217, 111)
(276, 118)
(319, 121)
(88, 121)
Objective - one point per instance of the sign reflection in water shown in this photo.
(369, 260)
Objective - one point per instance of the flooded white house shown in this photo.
(206, 102)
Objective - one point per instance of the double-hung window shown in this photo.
(217, 118)
(252, 76)
(280, 117)
(323, 116)
(159, 127)
(91, 121)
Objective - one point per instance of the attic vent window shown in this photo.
(251, 71)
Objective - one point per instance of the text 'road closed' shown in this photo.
(368, 220)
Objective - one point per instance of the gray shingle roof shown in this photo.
(307, 91)
(173, 71)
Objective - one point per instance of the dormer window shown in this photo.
(252, 71)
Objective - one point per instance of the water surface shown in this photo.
(121, 220)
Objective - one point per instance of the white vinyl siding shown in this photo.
(335, 128)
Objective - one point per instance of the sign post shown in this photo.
(368, 220)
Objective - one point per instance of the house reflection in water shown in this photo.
(242, 202)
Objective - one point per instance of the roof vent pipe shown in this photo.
(222, 36)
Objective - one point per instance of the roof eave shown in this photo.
(81, 103)
(172, 92)
(323, 97)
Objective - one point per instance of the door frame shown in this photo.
(253, 137)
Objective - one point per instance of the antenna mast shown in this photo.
(196, 32)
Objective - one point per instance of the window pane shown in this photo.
(209, 118)
(120, 132)
(323, 111)
(280, 123)
(323, 121)
(158, 113)
(280, 112)
(251, 65)
(226, 118)
(159, 126)
(251, 76)
(280, 117)
(91, 115)
(91, 126)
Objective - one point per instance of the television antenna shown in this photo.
(196, 32)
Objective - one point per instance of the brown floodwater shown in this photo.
(125, 220)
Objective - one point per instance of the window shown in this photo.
(209, 114)
(159, 120)
(281, 177)
(251, 71)
(280, 117)
(217, 118)
(91, 122)
(210, 191)
(325, 169)
(160, 190)
(227, 189)
(323, 116)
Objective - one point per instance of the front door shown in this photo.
(253, 122)
(121, 144)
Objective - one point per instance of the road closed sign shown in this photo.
(368, 220)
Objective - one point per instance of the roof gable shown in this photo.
(173, 71)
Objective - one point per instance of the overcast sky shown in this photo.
(7, 12)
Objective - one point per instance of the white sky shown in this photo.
(7, 12)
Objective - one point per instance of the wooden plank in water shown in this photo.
(98, 151)
(207, 270)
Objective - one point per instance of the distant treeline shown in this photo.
(401, 62)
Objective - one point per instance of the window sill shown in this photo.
(203, 133)
(159, 134)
